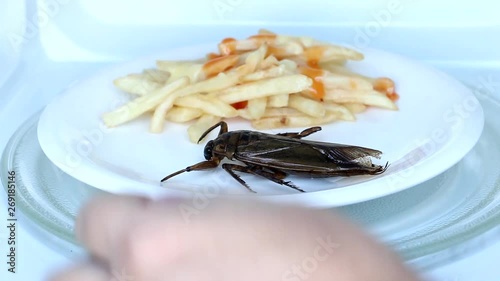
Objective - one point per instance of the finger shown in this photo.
(103, 222)
(83, 272)
(131, 233)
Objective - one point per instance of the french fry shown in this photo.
(209, 105)
(341, 70)
(332, 81)
(268, 62)
(286, 50)
(202, 124)
(309, 42)
(323, 53)
(219, 82)
(333, 63)
(254, 58)
(182, 68)
(228, 47)
(386, 85)
(243, 113)
(263, 38)
(342, 111)
(265, 74)
(140, 105)
(264, 88)
(136, 84)
(371, 97)
(222, 81)
(282, 39)
(289, 65)
(257, 107)
(183, 114)
(308, 106)
(280, 100)
(220, 64)
(283, 111)
(355, 108)
(156, 75)
(271, 112)
(293, 121)
(273, 80)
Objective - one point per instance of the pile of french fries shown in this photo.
(272, 80)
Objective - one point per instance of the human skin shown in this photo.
(136, 239)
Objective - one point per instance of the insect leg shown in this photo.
(223, 129)
(196, 167)
(230, 168)
(275, 176)
(302, 134)
(278, 174)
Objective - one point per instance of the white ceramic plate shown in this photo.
(438, 122)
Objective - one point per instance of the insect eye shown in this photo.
(208, 150)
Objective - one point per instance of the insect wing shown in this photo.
(307, 156)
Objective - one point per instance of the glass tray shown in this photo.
(434, 222)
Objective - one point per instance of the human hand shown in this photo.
(135, 239)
